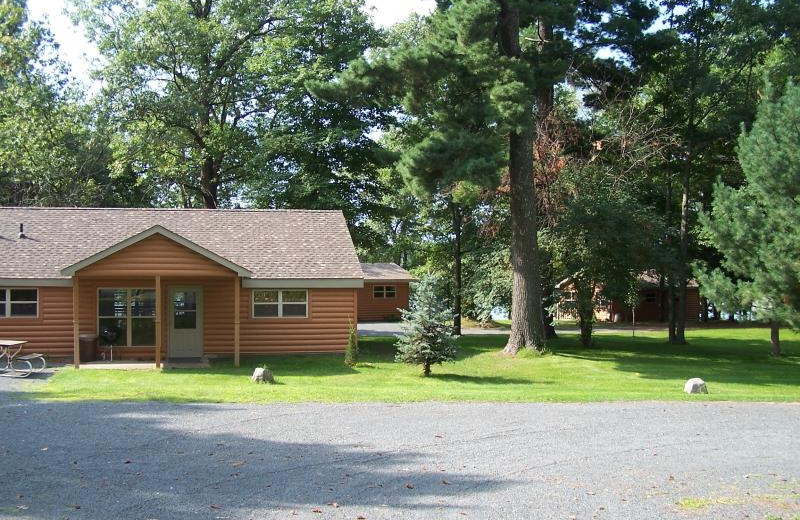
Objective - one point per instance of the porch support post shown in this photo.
(76, 333)
(158, 321)
(237, 303)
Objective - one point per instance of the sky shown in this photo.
(80, 54)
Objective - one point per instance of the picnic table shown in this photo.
(14, 365)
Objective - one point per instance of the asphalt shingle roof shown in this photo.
(381, 272)
(272, 244)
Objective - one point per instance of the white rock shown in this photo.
(258, 375)
(695, 386)
(262, 375)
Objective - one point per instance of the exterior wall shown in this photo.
(381, 309)
(50, 333)
(657, 310)
(155, 255)
(325, 330)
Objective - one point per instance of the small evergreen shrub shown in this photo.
(351, 352)
(427, 337)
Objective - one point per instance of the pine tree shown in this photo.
(427, 326)
(477, 84)
(757, 226)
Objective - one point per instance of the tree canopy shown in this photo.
(756, 227)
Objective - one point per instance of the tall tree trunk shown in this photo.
(585, 295)
(527, 328)
(683, 268)
(208, 184)
(545, 102)
(670, 278)
(775, 338)
(671, 308)
(704, 309)
(457, 220)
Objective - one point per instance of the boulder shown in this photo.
(258, 375)
(695, 386)
(262, 375)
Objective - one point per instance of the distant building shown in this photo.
(653, 302)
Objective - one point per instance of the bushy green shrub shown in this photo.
(351, 352)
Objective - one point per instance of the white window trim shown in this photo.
(279, 304)
(383, 292)
(128, 316)
(8, 301)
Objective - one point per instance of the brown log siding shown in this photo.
(49, 333)
(325, 330)
(379, 309)
(155, 255)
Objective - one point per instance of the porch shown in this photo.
(169, 320)
(143, 365)
(157, 296)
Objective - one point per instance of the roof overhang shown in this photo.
(156, 230)
(35, 282)
(303, 283)
(390, 280)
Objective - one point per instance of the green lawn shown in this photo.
(734, 363)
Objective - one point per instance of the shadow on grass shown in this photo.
(737, 361)
(481, 380)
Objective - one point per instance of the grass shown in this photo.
(734, 362)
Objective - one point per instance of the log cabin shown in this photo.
(176, 283)
(653, 302)
(385, 292)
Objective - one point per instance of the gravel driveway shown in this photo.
(372, 461)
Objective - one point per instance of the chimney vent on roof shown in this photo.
(21, 230)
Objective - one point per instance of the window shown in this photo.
(126, 317)
(384, 291)
(19, 303)
(274, 303)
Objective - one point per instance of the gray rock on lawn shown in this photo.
(262, 375)
(695, 386)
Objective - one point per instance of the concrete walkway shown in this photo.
(393, 329)
(420, 461)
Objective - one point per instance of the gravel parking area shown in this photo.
(372, 461)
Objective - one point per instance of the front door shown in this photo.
(186, 322)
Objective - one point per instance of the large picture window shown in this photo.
(275, 303)
(384, 291)
(19, 303)
(128, 316)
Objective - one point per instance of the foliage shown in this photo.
(703, 85)
(426, 338)
(351, 350)
(208, 97)
(757, 227)
(53, 146)
(603, 240)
